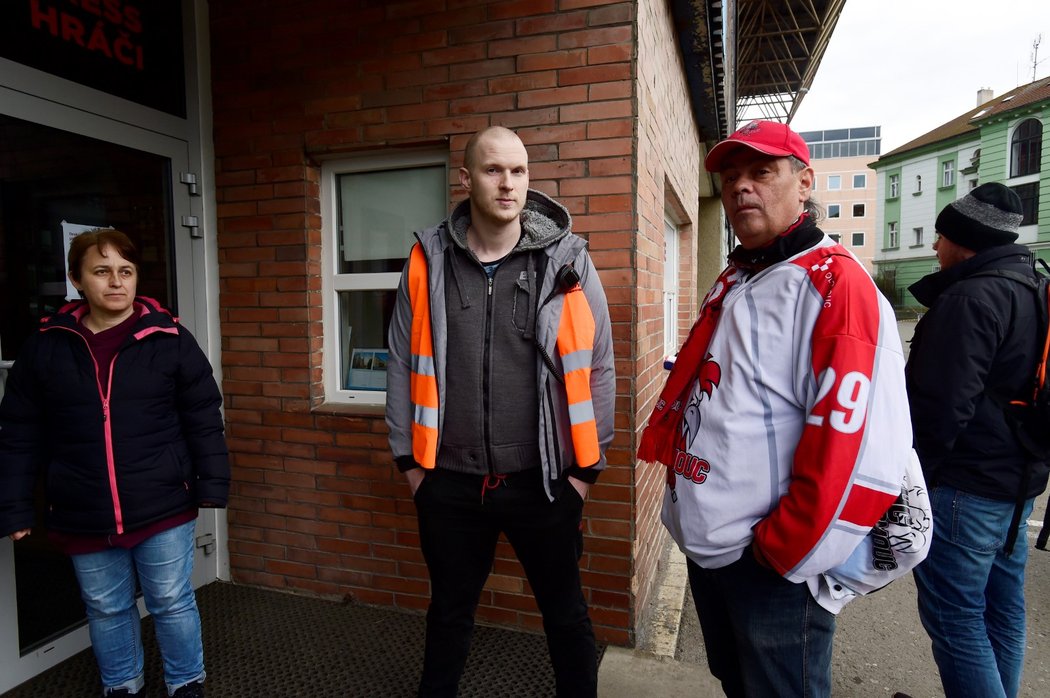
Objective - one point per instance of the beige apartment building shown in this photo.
(845, 186)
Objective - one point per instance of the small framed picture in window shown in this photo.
(367, 369)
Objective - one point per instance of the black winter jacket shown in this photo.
(975, 349)
(158, 452)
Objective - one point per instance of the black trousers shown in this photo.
(460, 520)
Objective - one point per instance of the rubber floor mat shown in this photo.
(259, 642)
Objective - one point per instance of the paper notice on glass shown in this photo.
(70, 231)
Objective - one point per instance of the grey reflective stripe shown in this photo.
(581, 412)
(423, 365)
(576, 360)
(426, 416)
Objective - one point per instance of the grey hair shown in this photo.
(812, 206)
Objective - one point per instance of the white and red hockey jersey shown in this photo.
(797, 432)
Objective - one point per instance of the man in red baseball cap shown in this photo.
(785, 431)
(769, 204)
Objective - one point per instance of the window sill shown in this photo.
(890, 249)
(916, 247)
(893, 198)
(916, 193)
(349, 409)
(945, 187)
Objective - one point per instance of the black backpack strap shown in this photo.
(1007, 274)
(1022, 436)
(1044, 533)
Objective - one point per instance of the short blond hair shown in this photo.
(471, 151)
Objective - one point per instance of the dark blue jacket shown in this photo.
(975, 349)
(115, 458)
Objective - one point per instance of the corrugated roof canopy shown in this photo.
(779, 44)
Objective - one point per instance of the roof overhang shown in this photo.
(750, 59)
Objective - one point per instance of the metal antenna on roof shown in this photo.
(1035, 54)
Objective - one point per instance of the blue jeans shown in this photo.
(764, 636)
(971, 595)
(164, 563)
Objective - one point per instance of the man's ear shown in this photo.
(464, 179)
(805, 181)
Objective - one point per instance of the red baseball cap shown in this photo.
(767, 137)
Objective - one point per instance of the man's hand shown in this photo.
(581, 487)
(415, 478)
(19, 535)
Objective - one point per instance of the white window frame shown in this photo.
(672, 260)
(863, 181)
(863, 210)
(918, 184)
(895, 186)
(332, 283)
(894, 235)
(834, 211)
(917, 232)
(853, 239)
(948, 173)
(834, 182)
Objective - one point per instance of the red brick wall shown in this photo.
(668, 158)
(316, 504)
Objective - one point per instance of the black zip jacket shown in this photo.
(115, 457)
(972, 351)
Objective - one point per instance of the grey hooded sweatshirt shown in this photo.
(501, 410)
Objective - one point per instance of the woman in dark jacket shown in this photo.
(118, 405)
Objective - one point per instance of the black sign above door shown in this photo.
(128, 48)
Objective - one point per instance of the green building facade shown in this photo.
(1001, 140)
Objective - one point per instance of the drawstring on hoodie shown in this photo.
(491, 482)
(530, 273)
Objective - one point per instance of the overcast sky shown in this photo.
(911, 65)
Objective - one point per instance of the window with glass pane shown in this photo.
(670, 285)
(857, 240)
(948, 173)
(858, 210)
(895, 186)
(917, 232)
(833, 210)
(378, 206)
(1029, 195)
(1026, 147)
(893, 235)
(834, 182)
(860, 181)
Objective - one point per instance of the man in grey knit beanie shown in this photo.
(972, 353)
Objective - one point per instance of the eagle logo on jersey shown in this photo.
(687, 465)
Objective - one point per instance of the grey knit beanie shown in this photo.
(987, 216)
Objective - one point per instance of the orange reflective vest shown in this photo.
(575, 346)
